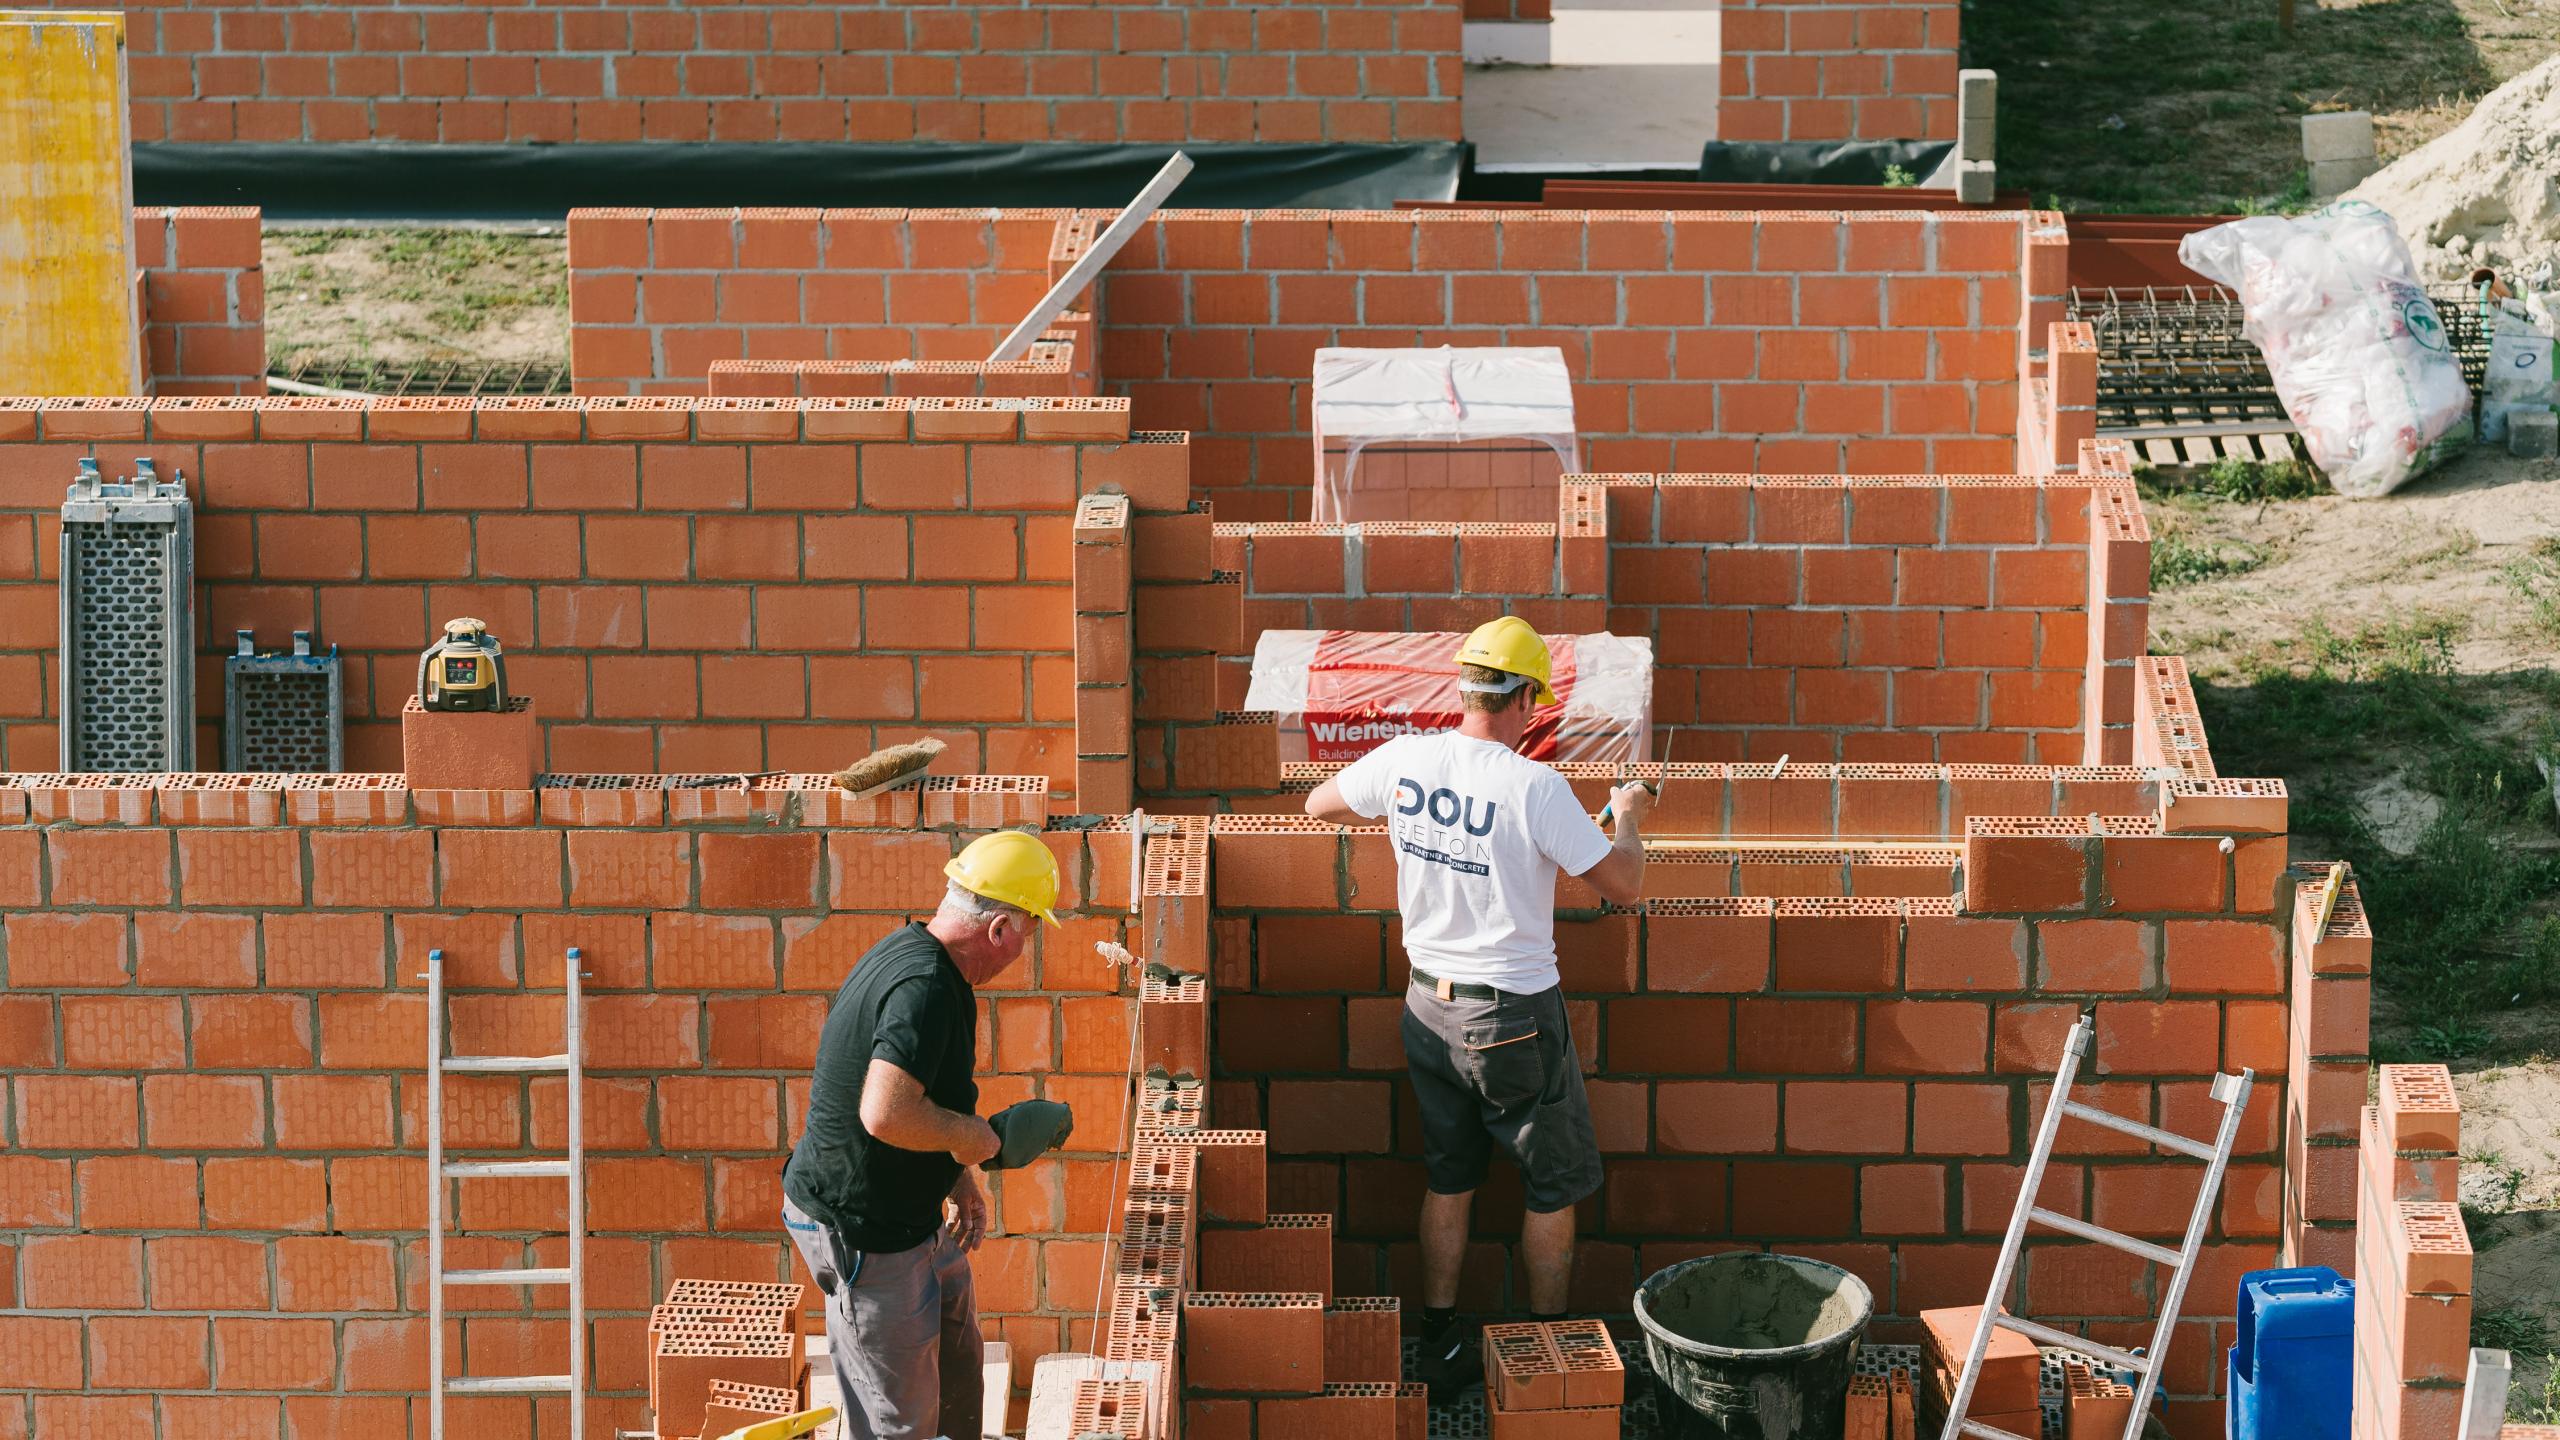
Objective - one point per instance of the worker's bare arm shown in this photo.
(1619, 876)
(1325, 803)
(896, 1112)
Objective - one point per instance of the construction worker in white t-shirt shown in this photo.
(1479, 831)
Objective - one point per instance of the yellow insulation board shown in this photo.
(70, 321)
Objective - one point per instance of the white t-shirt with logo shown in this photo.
(1479, 832)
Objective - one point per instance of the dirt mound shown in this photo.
(2486, 192)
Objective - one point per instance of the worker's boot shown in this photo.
(1452, 1359)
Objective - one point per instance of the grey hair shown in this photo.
(962, 900)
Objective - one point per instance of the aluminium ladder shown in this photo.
(2232, 1092)
(570, 1062)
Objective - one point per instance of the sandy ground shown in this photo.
(2436, 545)
(2439, 546)
(399, 296)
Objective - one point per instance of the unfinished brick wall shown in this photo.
(1140, 71)
(204, 317)
(1871, 342)
(1838, 70)
(212, 1047)
(1803, 1049)
(1885, 620)
(682, 586)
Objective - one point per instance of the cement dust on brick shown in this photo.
(400, 296)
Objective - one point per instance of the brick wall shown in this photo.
(682, 586)
(1141, 71)
(1838, 70)
(1854, 1079)
(214, 1188)
(1819, 342)
(1875, 620)
(204, 329)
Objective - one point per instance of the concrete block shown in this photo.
(2337, 177)
(2345, 135)
(2533, 434)
(1975, 180)
(469, 750)
(1977, 123)
(1977, 93)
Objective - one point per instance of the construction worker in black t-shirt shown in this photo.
(893, 1140)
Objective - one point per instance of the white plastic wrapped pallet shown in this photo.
(2358, 352)
(1468, 401)
(1339, 694)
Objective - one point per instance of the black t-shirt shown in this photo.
(905, 1003)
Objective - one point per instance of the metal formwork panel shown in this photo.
(283, 713)
(128, 626)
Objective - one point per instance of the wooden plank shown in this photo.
(1089, 264)
(70, 318)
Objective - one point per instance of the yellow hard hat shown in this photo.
(1012, 868)
(1512, 647)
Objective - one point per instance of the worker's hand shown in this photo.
(980, 1147)
(1630, 801)
(969, 1213)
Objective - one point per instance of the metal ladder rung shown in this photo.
(2065, 1340)
(507, 1385)
(1990, 1432)
(2159, 1254)
(509, 1275)
(485, 1169)
(508, 1064)
(2166, 1140)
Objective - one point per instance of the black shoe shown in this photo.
(1451, 1360)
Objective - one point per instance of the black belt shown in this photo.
(1453, 989)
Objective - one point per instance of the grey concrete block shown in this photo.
(1975, 180)
(1977, 140)
(2347, 135)
(2533, 434)
(2337, 177)
(1977, 93)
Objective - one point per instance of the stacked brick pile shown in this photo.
(2413, 1261)
(1555, 1380)
(725, 1353)
(2005, 1394)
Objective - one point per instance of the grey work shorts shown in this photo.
(1500, 1071)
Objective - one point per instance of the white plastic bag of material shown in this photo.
(2519, 373)
(1339, 694)
(2359, 354)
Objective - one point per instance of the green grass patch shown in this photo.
(2177, 559)
(2463, 922)
(2535, 582)
(2209, 119)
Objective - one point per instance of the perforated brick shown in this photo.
(2418, 1108)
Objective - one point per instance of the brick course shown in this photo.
(204, 312)
(1787, 342)
(1140, 72)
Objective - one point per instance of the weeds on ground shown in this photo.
(2510, 1328)
(2535, 582)
(2177, 560)
(2545, 1408)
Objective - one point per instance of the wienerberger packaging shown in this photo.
(1339, 694)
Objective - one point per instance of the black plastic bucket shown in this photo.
(1747, 1346)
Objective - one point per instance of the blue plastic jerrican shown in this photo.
(2293, 1365)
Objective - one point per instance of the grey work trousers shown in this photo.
(903, 1333)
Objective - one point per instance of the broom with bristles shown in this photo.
(884, 769)
(888, 768)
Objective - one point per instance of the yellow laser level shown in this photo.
(464, 670)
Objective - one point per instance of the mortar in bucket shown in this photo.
(1747, 1346)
